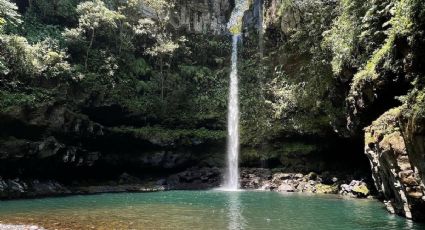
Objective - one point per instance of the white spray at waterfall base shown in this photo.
(235, 27)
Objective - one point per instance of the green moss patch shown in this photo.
(169, 135)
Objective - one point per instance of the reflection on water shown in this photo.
(203, 210)
(236, 220)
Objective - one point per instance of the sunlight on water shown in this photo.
(236, 220)
(202, 210)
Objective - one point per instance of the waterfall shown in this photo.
(232, 179)
(235, 27)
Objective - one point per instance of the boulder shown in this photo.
(361, 190)
(285, 188)
(326, 189)
(279, 177)
(126, 178)
(195, 178)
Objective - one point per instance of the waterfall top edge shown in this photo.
(236, 19)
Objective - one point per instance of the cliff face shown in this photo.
(197, 16)
(202, 16)
(394, 142)
(376, 61)
(397, 169)
(413, 127)
(56, 141)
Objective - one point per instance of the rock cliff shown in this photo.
(202, 16)
(392, 144)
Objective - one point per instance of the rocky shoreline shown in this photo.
(325, 183)
(191, 179)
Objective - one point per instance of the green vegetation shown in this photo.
(327, 189)
(10, 99)
(301, 93)
(318, 57)
(167, 135)
(8, 14)
(400, 25)
(385, 126)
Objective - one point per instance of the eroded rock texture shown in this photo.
(397, 169)
(202, 15)
(47, 131)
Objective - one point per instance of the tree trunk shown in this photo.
(88, 48)
(120, 38)
(162, 77)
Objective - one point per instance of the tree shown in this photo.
(57, 12)
(94, 18)
(8, 14)
(156, 28)
(23, 61)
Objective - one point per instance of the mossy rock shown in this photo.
(386, 125)
(158, 134)
(326, 189)
(361, 190)
(298, 148)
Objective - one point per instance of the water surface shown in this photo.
(202, 210)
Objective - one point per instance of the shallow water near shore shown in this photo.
(202, 210)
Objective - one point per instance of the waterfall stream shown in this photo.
(235, 27)
(232, 180)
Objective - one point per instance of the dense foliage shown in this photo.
(323, 61)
